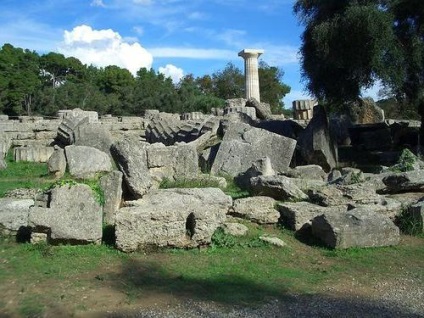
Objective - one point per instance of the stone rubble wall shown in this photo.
(32, 137)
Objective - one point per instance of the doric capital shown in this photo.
(250, 53)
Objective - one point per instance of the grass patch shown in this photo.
(34, 175)
(189, 183)
(23, 174)
(232, 189)
(229, 272)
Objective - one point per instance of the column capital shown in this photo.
(250, 52)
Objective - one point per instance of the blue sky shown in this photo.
(176, 37)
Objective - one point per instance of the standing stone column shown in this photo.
(251, 74)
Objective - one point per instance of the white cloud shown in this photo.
(138, 29)
(193, 53)
(175, 73)
(280, 54)
(143, 2)
(97, 3)
(104, 47)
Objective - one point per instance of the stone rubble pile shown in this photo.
(290, 172)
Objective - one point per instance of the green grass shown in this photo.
(232, 189)
(33, 175)
(234, 274)
(23, 174)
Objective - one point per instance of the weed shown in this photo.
(405, 162)
(94, 185)
(189, 183)
(233, 190)
(409, 223)
(31, 307)
(220, 239)
(356, 177)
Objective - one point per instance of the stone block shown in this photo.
(131, 157)
(72, 215)
(259, 209)
(355, 228)
(243, 145)
(14, 214)
(171, 217)
(111, 184)
(85, 162)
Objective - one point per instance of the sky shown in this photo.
(174, 37)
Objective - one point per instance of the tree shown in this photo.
(19, 80)
(346, 46)
(228, 83)
(154, 91)
(195, 97)
(271, 86)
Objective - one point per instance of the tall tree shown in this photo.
(271, 86)
(19, 80)
(154, 91)
(346, 46)
(228, 83)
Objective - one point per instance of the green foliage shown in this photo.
(348, 45)
(30, 83)
(31, 307)
(408, 224)
(23, 174)
(405, 162)
(222, 240)
(189, 183)
(94, 185)
(273, 90)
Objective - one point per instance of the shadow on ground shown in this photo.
(234, 296)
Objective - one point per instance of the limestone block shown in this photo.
(131, 158)
(235, 102)
(273, 241)
(5, 143)
(296, 215)
(72, 215)
(172, 162)
(84, 162)
(403, 182)
(263, 110)
(355, 228)
(57, 162)
(261, 167)
(33, 154)
(243, 145)
(257, 209)
(93, 135)
(14, 214)
(235, 229)
(278, 187)
(3, 164)
(315, 143)
(312, 172)
(171, 217)
(45, 135)
(111, 184)
(416, 215)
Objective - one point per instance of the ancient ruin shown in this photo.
(251, 74)
(297, 172)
